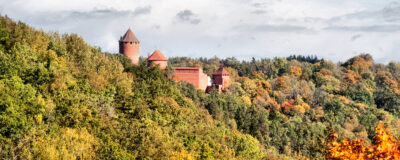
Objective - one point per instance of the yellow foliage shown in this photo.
(97, 81)
(300, 109)
(38, 118)
(246, 100)
(68, 144)
(181, 155)
(61, 77)
(258, 75)
(233, 73)
(305, 106)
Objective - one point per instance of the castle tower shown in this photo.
(221, 78)
(129, 46)
(157, 58)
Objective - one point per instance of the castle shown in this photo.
(129, 46)
(221, 79)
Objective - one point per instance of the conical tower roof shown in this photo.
(129, 37)
(221, 71)
(157, 56)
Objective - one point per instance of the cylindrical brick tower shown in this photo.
(157, 58)
(129, 46)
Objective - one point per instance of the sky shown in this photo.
(331, 29)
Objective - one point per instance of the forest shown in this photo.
(61, 98)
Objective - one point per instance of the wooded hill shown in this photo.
(61, 98)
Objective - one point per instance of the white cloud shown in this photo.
(332, 29)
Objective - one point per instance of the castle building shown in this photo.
(221, 77)
(221, 80)
(195, 76)
(129, 46)
(157, 58)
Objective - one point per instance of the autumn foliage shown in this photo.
(61, 98)
(385, 147)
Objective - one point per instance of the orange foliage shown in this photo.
(361, 105)
(281, 84)
(344, 99)
(262, 87)
(361, 65)
(385, 147)
(287, 105)
(295, 71)
(350, 78)
(267, 86)
(325, 72)
(271, 102)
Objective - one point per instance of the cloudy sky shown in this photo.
(331, 29)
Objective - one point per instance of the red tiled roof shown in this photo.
(129, 37)
(221, 71)
(157, 56)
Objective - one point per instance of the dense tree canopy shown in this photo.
(61, 98)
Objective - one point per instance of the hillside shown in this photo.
(61, 98)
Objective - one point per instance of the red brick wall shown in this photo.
(192, 75)
(188, 75)
(131, 50)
